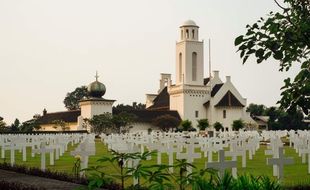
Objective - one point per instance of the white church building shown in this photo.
(192, 95)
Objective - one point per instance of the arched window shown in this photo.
(193, 34)
(187, 34)
(194, 66)
(180, 67)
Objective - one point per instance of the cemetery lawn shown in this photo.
(295, 174)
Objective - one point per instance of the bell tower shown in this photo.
(189, 55)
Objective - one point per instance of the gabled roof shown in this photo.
(66, 116)
(150, 115)
(216, 88)
(161, 102)
(205, 81)
(229, 100)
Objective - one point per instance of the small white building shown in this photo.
(193, 96)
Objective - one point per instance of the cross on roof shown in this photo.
(97, 76)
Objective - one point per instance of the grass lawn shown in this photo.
(293, 174)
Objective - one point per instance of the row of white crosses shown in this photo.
(171, 143)
(240, 143)
(300, 141)
(39, 144)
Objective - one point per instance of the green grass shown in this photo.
(293, 174)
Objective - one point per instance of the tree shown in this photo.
(72, 99)
(203, 124)
(127, 108)
(102, 123)
(15, 125)
(256, 109)
(166, 122)
(60, 124)
(2, 124)
(123, 120)
(238, 124)
(186, 125)
(218, 126)
(285, 36)
(29, 126)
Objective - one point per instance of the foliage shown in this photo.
(15, 126)
(123, 120)
(256, 109)
(77, 167)
(285, 36)
(102, 123)
(2, 124)
(72, 99)
(158, 177)
(119, 161)
(29, 126)
(47, 173)
(128, 108)
(203, 124)
(17, 186)
(108, 123)
(281, 120)
(186, 125)
(218, 126)
(166, 122)
(238, 124)
(60, 124)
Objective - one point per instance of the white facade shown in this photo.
(217, 101)
(92, 107)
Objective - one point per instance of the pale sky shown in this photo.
(48, 48)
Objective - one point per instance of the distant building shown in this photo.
(193, 96)
(96, 105)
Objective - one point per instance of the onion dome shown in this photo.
(96, 89)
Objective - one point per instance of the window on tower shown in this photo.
(194, 66)
(182, 34)
(193, 34)
(180, 67)
(196, 114)
(187, 34)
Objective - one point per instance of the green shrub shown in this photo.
(218, 126)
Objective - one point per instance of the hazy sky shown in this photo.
(48, 48)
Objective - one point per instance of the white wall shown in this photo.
(141, 126)
(91, 108)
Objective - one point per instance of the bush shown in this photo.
(166, 122)
(218, 126)
(47, 173)
(17, 186)
(186, 125)
(203, 124)
(238, 124)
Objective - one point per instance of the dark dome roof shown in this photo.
(96, 89)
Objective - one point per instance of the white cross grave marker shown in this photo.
(280, 162)
(221, 165)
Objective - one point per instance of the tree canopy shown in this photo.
(108, 123)
(238, 124)
(128, 108)
(285, 36)
(166, 122)
(203, 124)
(72, 99)
(256, 109)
